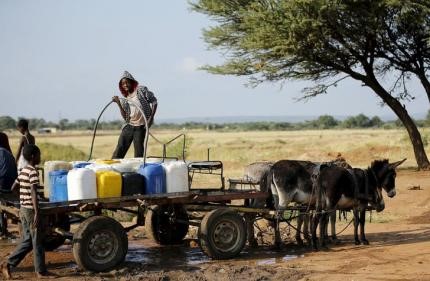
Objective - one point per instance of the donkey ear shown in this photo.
(396, 164)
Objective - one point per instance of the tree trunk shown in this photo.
(414, 135)
(426, 84)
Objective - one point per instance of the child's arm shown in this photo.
(35, 202)
(34, 181)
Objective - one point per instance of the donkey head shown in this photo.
(385, 175)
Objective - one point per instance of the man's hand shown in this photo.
(116, 99)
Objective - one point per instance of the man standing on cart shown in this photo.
(134, 130)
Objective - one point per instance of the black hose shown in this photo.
(145, 142)
(95, 129)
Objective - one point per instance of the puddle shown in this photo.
(184, 255)
(173, 255)
(277, 260)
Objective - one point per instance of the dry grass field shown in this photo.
(236, 149)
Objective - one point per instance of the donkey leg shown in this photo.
(356, 222)
(315, 222)
(323, 230)
(300, 219)
(362, 222)
(278, 240)
(307, 227)
(326, 220)
(249, 220)
(333, 225)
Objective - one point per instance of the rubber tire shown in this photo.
(208, 226)
(161, 230)
(82, 239)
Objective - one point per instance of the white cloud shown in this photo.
(189, 64)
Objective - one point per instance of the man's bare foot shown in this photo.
(5, 270)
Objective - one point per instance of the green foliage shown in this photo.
(50, 151)
(7, 122)
(272, 40)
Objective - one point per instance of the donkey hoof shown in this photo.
(365, 242)
(357, 242)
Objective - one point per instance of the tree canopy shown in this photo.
(326, 41)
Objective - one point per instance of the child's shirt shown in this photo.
(28, 177)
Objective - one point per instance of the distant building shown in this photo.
(47, 130)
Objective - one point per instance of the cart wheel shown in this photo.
(100, 244)
(166, 225)
(222, 234)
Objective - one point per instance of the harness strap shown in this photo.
(376, 178)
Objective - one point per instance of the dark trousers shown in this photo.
(31, 239)
(129, 134)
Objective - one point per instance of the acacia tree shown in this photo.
(326, 41)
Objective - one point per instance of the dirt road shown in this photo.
(399, 250)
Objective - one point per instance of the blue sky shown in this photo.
(63, 59)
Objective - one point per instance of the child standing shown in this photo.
(27, 138)
(30, 192)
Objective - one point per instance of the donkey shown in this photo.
(339, 188)
(262, 173)
(303, 219)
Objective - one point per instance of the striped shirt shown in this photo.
(28, 177)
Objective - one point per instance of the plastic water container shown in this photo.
(176, 176)
(107, 161)
(58, 180)
(132, 184)
(155, 179)
(134, 162)
(124, 167)
(81, 184)
(108, 184)
(49, 167)
(80, 164)
(99, 167)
